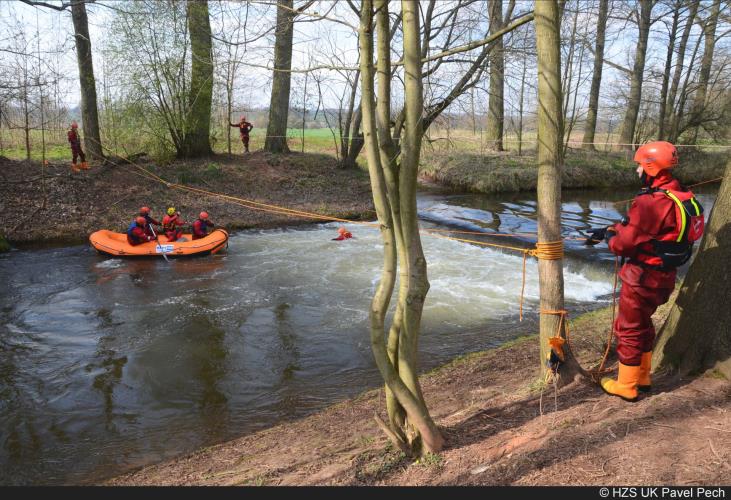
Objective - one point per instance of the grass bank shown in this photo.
(507, 172)
(52, 205)
(502, 427)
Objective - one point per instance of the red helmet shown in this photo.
(140, 220)
(203, 215)
(144, 210)
(74, 124)
(656, 156)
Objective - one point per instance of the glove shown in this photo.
(596, 236)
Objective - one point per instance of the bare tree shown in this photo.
(644, 20)
(596, 80)
(550, 135)
(196, 141)
(276, 139)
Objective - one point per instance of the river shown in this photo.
(109, 364)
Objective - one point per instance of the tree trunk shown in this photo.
(679, 60)
(697, 333)
(197, 141)
(678, 127)
(635, 93)
(394, 194)
(87, 83)
(496, 109)
(276, 140)
(666, 74)
(596, 80)
(699, 102)
(550, 135)
(520, 109)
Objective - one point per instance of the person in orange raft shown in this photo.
(145, 213)
(172, 224)
(201, 225)
(136, 232)
(343, 234)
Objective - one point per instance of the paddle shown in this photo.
(158, 242)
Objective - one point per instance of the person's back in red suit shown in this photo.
(648, 276)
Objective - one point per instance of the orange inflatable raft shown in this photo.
(111, 243)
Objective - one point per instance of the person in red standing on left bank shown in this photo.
(76, 151)
(201, 225)
(244, 129)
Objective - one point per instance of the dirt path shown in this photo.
(500, 430)
(109, 196)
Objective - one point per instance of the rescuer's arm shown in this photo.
(623, 238)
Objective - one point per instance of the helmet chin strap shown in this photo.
(646, 179)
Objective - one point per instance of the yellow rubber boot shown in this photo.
(643, 383)
(626, 384)
(74, 168)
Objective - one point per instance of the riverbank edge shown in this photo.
(50, 207)
(492, 172)
(591, 324)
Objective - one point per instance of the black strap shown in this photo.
(650, 266)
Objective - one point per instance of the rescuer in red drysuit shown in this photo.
(244, 129)
(149, 221)
(656, 237)
(136, 234)
(76, 151)
(344, 234)
(172, 224)
(201, 225)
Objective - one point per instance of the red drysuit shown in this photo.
(646, 283)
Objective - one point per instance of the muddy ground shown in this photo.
(501, 428)
(54, 205)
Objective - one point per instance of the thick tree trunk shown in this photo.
(87, 83)
(666, 74)
(197, 140)
(596, 80)
(697, 333)
(635, 93)
(550, 135)
(496, 109)
(709, 33)
(276, 140)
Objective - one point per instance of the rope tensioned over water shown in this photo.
(552, 250)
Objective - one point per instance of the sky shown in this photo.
(325, 42)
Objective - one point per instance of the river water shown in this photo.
(108, 364)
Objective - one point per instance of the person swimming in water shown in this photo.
(343, 234)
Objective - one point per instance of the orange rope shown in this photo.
(551, 250)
